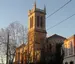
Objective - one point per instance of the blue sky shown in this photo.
(17, 10)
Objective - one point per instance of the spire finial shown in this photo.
(35, 5)
(44, 8)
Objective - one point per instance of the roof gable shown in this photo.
(55, 35)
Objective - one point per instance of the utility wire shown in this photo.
(59, 9)
(61, 21)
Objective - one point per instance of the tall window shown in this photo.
(41, 22)
(37, 21)
(71, 48)
(65, 50)
(50, 47)
(31, 22)
(19, 56)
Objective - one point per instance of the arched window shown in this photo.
(37, 21)
(65, 49)
(19, 56)
(71, 48)
(41, 21)
(31, 22)
(50, 47)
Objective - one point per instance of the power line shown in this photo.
(61, 22)
(59, 9)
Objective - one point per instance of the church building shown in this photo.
(39, 45)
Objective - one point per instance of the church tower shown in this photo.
(36, 32)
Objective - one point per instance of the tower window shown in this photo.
(31, 22)
(41, 22)
(37, 21)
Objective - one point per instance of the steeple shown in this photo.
(36, 27)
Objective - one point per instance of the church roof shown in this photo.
(56, 35)
(22, 45)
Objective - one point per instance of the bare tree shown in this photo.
(2, 60)
(3, 40)
(18, 32)
(17, 35)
